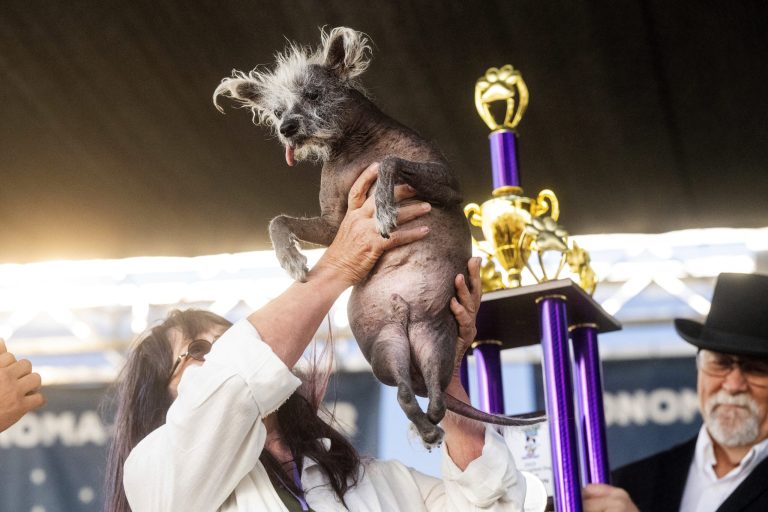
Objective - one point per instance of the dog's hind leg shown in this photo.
(391, 363)
(434, 353)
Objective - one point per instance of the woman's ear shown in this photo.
(345, 52)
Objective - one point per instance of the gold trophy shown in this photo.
(513, 224)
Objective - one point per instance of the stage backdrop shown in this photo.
(53, 459)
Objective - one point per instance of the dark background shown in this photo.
(645, 115)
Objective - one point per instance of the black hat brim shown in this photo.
(700, 336)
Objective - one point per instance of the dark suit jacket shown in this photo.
(656, 483)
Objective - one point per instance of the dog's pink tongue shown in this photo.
(289, 155)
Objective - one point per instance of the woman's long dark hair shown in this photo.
(142, 400)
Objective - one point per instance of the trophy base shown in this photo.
(511, 315)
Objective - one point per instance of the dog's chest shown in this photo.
(335, 184)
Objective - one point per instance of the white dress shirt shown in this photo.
(704, 492)
(206, 456)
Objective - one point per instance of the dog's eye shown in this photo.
(278, 112)
(312, 94)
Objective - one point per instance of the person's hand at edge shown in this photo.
(19, 388)
(606, 498)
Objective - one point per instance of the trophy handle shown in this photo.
(473, 213)
(546, 201)
(475, 217)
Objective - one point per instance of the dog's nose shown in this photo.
(289, 127)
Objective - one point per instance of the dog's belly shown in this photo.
(422, 274)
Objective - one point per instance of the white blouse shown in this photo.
(206, 456)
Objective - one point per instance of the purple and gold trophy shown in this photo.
(513, 224)
(551, 311)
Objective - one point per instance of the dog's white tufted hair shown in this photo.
(261, 88)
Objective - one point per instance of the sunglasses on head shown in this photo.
(197, 350)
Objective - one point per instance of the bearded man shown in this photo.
(724, 468)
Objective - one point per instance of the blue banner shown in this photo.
(53, 459)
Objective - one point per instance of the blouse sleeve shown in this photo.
(491, 482)
(214, 432)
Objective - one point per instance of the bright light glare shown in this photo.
(64, 292)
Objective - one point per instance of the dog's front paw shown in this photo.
(293, 262)
(386, 218)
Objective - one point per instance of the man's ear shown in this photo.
(345, 52)
(242, 90)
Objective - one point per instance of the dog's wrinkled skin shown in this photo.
(400, 314)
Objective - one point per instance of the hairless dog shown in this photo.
(400, 315)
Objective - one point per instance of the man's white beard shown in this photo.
(732, 426)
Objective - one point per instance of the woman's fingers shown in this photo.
(467, 330)
(412, 211)
(404, 236)
(463, 317)
(404, 191)
(466, 319)
(475, 284)
(358, 194)
(462, 292)
(359, 191)
(358, 244)
(469, 294)
(465, 306)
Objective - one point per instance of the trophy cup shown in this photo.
(550, 312)
(512, 223)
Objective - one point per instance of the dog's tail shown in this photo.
(464, 409)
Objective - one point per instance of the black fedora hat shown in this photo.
(737, 322)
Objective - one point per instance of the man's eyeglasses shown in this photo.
(197, 349)
(755, 370)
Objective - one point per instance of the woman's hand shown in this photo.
(464, 438)
(465, 308)
(288, 322)
(606, 498)
(358, 244)
(19, 388)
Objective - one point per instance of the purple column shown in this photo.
(558, 387)
(489, 383)
(504, 161)
(590, 382)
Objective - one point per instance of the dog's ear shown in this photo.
(242, 90)
(346, 52)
